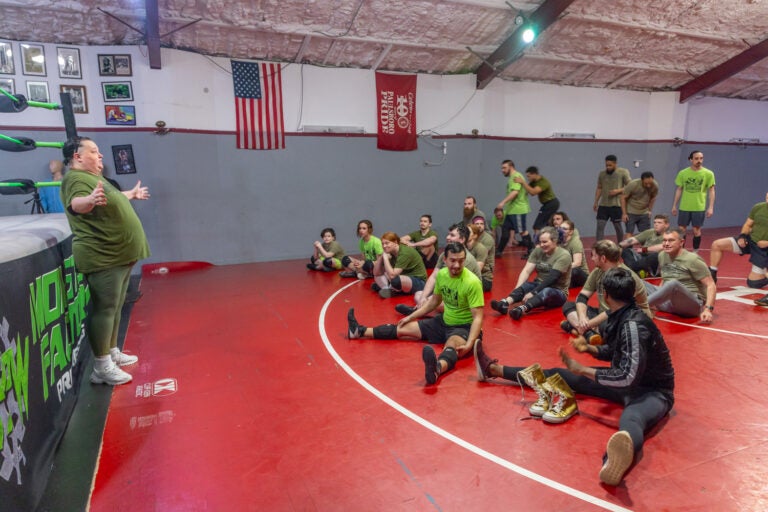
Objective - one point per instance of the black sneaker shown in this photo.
(375, 287)
(518, 312)
(354, 328)
(347, 273)
(713, 271)
(762, 301)
(310, 266)
(566, 326)
(430, 364)
(483, 362)
(500, 306)
(404, 309)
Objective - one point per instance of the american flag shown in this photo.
(258, 105)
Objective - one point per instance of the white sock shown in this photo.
(102, 363)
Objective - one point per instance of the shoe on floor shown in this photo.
(566, 326)
(112, 376)
(517, 313)
(483, 362)
(762, 301)
(620, 453)
(347, 273)
(430, 364)
(404, 309)
(122, 359)
(375, 287)
(500, 306)
(385, 293)
(354, 328)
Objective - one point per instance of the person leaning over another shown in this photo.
(637, 202)
(108, 240)
(641, 377)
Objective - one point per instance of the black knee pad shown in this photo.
(568, 307)
(396, 284)
(328, 263)
(368, 266)
(385, 332)
(312, 259)
(450, 357)
(758, 283)
(345, 261)
(517, 294)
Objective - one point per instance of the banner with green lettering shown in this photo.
(43, 303)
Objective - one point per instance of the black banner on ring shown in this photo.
(43, 304)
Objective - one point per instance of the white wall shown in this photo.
(195, 92)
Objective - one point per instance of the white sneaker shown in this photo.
(113, 376)
(122, 359)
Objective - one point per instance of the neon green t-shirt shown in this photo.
(519, 205)
(695, 185)
(371, 249)
(460, 294)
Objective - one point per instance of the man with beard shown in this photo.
(470, 210)
(637, 202)
(515, 207)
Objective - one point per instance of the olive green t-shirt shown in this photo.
(594, 284)
(334, 248)
(108, 236)
(575, 246)
(759, 214)
(607, 182)
(639, 197)
(688, 268)
(546, 194)
(649, 237)
(560, 259)
(410, 261)
(483, 255)
(416, 236)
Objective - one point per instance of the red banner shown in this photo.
(396, 97)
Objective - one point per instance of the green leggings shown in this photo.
(108, 288)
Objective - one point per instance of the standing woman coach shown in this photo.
(108, 241)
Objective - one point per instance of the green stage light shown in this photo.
(529, 35)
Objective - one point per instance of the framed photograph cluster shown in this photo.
(6, 58)
(124, 162)
(117, 91)
(33, 59)
(78, 96)
(115, 65)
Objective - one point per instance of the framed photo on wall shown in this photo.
(38, 91)
(68, 60)
(33, 59)
(7, 85)
(106, 65)
(117, 91)
(124, 162)
(78, 97)
(6, 58)
(120, 115)
(123, 65)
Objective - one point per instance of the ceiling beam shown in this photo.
(153, 33)
(513, 48)
(384, 52)
(724, 71)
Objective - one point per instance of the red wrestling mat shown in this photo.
(248, 396)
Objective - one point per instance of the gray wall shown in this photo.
(214, 203)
